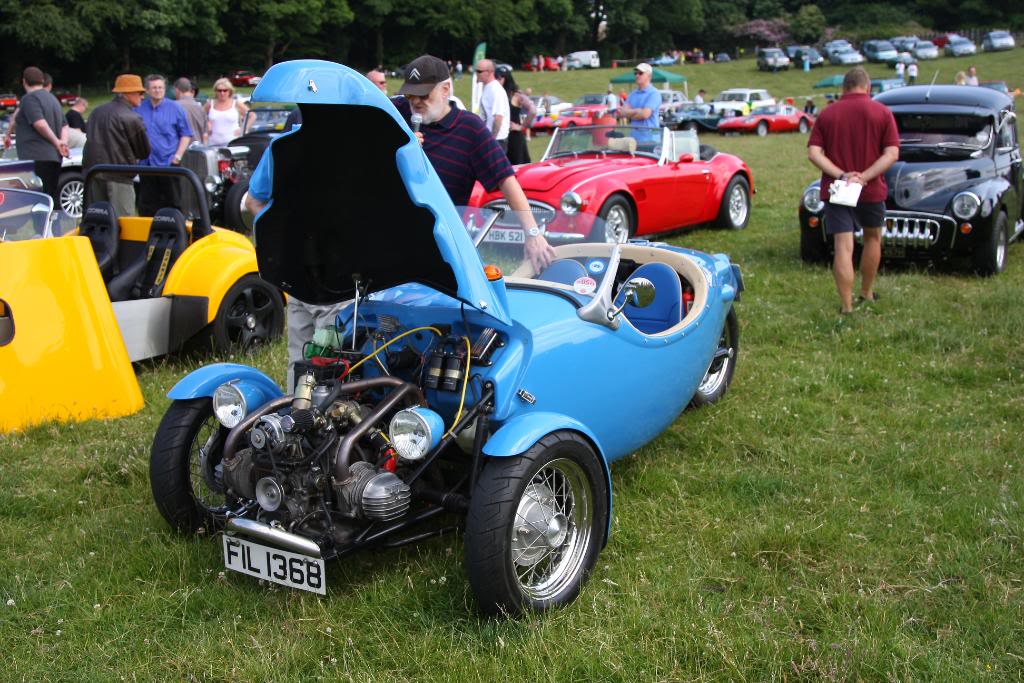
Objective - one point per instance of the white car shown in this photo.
(584, 59)
(846, 56)
(925, 49)
(998, 40)
(739, 101)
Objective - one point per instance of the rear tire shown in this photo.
(990, 255)
(535, 526)
(734, 213)
(804, 127)
(251, 314)
(762, 129)
(233, 206)
(184, 467)
(717, 379)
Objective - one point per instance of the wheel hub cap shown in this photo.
(540, 527)
(250, 321)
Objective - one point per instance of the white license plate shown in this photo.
(505, 236)
(271, 564)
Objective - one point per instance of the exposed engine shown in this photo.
(341, 452)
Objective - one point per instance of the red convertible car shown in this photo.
(8, 101)
(546, 64)
(779, 118)
(638, 181)
(243, 78)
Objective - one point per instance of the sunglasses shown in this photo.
(221, 90)
(483, 71)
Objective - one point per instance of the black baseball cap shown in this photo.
(422, 74)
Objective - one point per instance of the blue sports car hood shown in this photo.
(354, 197)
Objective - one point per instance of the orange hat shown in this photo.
(128, 83)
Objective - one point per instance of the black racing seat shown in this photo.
(99, 224)
(144, 278)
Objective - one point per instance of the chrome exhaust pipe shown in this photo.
(273, 535)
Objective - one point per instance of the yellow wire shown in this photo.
(465, 383)
(415, 329)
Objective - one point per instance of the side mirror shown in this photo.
(638, 292)
(685, 158)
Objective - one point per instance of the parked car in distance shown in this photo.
(243, 78)
(739, 101)
(958, 46)
(879, 51)
(885, 84)
(19, 175)
(775, 118)
(833, 46)
(722, 57)
(671, 101)
(637, 181)
(998, 40)
(925, 49)
(772, 59)
(8, 100)
(955, 193)
(693, 116)
(797, 54)
(846, 56)
(66, 97)
(583, 59)
(663, 59)
(904, 43)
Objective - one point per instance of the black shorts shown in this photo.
(839, 218)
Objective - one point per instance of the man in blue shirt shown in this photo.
(169, 134)
(641, 106)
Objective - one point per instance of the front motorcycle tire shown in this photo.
(535, 526)
(184, 467)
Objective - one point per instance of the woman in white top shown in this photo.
(224, 113)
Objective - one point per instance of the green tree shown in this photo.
(277, 24)
(808, 24)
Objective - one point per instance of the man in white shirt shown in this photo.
(699, 99)
(494, 108)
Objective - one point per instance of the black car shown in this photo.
(955, 193)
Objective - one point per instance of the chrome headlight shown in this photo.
(414, 432)
(229, 405)
(966, 205)
(812, 200)
(571, 203)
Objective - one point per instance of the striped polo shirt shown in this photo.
(462, 151)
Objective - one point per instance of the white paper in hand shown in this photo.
(844, 193)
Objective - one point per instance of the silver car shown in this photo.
(925, 49)
(998, 40)
(846, 56)
(958, 46)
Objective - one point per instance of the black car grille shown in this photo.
(196, 162)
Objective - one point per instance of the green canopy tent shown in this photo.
(657, 76)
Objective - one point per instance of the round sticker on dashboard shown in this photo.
(596, 266)
(584, 285)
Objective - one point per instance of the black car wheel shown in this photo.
(617, 222)
(719, 375)
(535, 526)
(813, 249)
(233, 206)
(762, 129)
(252, 313)
(690, 125)
(185, 467)
(803, 126)
(71, 193)
(990, 254)
(735, 209)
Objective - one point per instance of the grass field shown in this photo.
(851, 510)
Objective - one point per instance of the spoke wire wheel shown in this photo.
(204, 467)
(716, 380)
(738, 205)
(616, 225)
(803, 125)
(552, 530)
(762, 129)
(72, 196)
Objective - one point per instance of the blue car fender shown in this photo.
(254, 385)
(520, 433)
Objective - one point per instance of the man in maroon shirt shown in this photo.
(856, 140)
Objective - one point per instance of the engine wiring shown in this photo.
(392, 341)
(465, 383)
